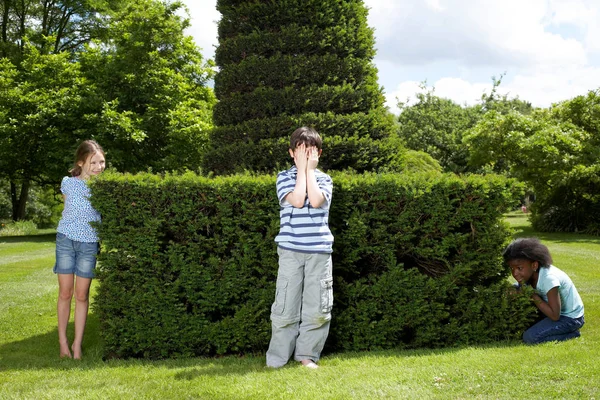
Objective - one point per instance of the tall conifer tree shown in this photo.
(287, 63)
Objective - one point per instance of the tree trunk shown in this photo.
(5, 13)
(19, 203)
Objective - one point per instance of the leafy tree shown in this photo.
(435, 125)
(122, 73)
(155, 108)
(503, 103)
(296, 62)
(51, 26)
(556, 151)
(38, 38)
(41, 108)
(5, 203)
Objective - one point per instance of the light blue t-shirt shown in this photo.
(78, 211)
(570, 301)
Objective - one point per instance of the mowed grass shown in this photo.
(30, 367)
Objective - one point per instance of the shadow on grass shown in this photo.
(523, 228)
(252, 364)
(42, 238)
(515, 215)
(40, 352)
(527, 231)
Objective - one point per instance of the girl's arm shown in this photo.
(551, 309)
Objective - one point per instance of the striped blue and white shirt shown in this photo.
(305, 229)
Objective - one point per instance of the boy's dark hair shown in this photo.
(308, 136)
(528, 249)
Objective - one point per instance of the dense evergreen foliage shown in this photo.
(296, 62)
(188, 263)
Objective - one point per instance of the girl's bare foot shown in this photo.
(76, 351)
(64, 350)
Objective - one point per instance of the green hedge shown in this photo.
(293, 70)
(374, 124)
(357, 152)
(247, 16)
(350, 40)
(188, 263)
(267, 102)
(349, 141)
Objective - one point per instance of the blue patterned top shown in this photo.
(306, 229)
(78, 211)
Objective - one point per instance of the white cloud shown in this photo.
(458, 90)
(583, 15)
(435, 5)
(204, 17)
(541, 88)
(503, 33)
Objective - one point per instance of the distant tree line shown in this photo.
(555, 151)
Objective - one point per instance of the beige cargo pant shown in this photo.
(301, 313)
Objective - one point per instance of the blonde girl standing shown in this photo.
(77, 245)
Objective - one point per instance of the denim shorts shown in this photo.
(73, 257)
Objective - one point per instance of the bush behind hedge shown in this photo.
(270, 103)
(188, 265)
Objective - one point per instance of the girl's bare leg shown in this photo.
(63, 310)
(82, 294)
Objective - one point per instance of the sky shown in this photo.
(546, 50)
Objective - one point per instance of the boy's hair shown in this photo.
(308, 136)
(86, 149)
(528, 249)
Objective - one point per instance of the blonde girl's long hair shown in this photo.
(86, 149)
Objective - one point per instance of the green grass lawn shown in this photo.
(30, 367)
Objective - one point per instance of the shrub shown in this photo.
(19, 228)
(5, 203)
(188, 264)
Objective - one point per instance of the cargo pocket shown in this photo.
(326, 294)
(280, 294)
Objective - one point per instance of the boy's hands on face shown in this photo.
(301, 157)
(313, 157)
